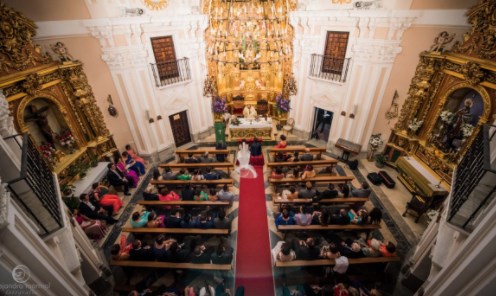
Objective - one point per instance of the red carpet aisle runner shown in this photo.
(253, 262)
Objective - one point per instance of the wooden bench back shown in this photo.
(159, 264)
(160, 230)
(182, 203)
(192, 182)
(337, 200)
(292, 149)
(317, 179)
(202, 151)
(320, 162)
(324, 262)
(348, 227)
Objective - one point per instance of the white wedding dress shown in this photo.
(245, 170)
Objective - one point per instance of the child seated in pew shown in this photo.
(283, 252)
(289, 193)
(183, 175)
(222, 222)
(197, 175)
(140, 218)
(304, 216)
(295, 173)
(223, 254)
(161, 247)
(285, 218)
(175, 219)
(121, 250)
(201, 194)
(341, 217)
(280, 157)
(322, 217)
(344, 190)
(141, 252)
(308, 172)
(212, 195)
(167, 174)
(166, 195)
(360, 217)
(150, 193)
(277, 173)
(330, 192)
(306, 249)
(155, 221)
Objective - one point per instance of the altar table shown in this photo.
(259, 128)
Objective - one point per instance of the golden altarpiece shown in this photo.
(50, 100)
(249, 54)
(452, 94)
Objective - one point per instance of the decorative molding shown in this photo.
(371, 51)
(6, 121)
(4, 202)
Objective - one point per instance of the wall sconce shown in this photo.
(352, 114)
(343, 113)
(150, 120)
(111, 109)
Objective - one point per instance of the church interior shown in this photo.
(247, 147)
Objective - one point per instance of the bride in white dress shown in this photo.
(244, 162)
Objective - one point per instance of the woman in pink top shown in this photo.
(130, 175)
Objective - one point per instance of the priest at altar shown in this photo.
(249, 112)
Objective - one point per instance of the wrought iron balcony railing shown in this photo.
(171, 72)
(329, 68)
(35, 189)
(474, 186)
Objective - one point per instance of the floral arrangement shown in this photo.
(415, 124)
(375, 141)
(447, 116)
(467, 129)
(219, 105)
(66, 139)
(49, 153)
(282, 104)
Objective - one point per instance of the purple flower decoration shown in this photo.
(282, 104)
(219, 105)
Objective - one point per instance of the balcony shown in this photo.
(35, 190)
(171, 72)
(474, 186)
(329, 68)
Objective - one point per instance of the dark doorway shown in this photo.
(322, 124)
(180, 128)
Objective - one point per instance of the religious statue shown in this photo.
(441, 40)
(249, 112)
(460, 118)
(40, 118)
(60, 49)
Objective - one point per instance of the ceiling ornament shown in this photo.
(156, 4)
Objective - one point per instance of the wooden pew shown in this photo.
(315, 163)
(316, 179)
(325, 262)
(160, 230)
(219, 182)
(350, 227)
(159, 264)
(301, 150)
(183, 203)
(213, 165)
(337, 200)
(181, 153)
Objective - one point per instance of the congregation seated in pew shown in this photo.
(331, 246)
(172, 249)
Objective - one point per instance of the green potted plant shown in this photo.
(380, 160)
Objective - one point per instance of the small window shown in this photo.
(165, 56)
(335, 52)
